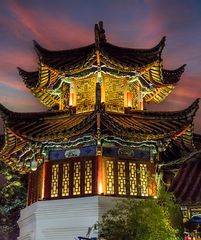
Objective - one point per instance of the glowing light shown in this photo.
(71, 99)
(43, 182)
(129, 99)
(100, 188)
(141, 105)
(99, 74)
(100, 175)
(34, 165)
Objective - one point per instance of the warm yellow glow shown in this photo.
(133, 178)
(103, 90)
(121, 178)
(110, 177)
(100, 188)
(140, 98)
(60, 104)
(65, 180)
(88, 177)
(143, 180)
(55, 181)
(85, 94)
(99, 75)
(129, 99)
(71, 101)
(77, 178)
(114, 93)
(43, 183)
(141, 105)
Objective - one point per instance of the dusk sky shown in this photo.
(64, 24)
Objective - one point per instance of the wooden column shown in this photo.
(99, 158)
(44, 182)
(100, 178)
(153, 187)
(140, 98)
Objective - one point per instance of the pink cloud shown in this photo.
(10, 59)
(22, 103)
(12, 83)
(25, 18)
(47, 29)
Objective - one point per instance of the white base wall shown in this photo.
(62, 219)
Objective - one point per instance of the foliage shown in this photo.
(168, 201)
(149, 219)
(12, 199)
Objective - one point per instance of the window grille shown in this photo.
(121, 178)
(55, 180)
(65, 180)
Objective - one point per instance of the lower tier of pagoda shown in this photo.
(92, 175)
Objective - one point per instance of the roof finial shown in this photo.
(99, 34)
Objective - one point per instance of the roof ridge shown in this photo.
(182, 160)
(6, 113)
(158, 46)
(41, 50)
(179, 69)
(173, 76)
(29, 77)
(189, 110)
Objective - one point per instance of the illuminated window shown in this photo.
(143, 180)
(65, 180)
(55, 180)
(88, 177)
(76, 178)
(109, 177)
(121, 178)
(133, 178)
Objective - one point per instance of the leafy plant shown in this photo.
(12, 200)
(149, 219)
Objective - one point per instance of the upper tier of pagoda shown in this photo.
(129, 77)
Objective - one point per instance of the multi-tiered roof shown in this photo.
(146, 64)
(96, 93)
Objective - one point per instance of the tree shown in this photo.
(12, 200)
(148, 219)
(172, 209)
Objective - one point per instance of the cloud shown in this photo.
(19, 100)
(48, 29)
(9, 61)
(12, 83)
(25, 19)
(12, 58)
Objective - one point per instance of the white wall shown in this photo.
(62, 219)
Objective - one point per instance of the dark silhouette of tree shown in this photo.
(12, 200)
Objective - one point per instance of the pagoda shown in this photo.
(96, 142)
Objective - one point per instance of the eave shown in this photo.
(40, 83)
(186, 184)
(23, 129)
